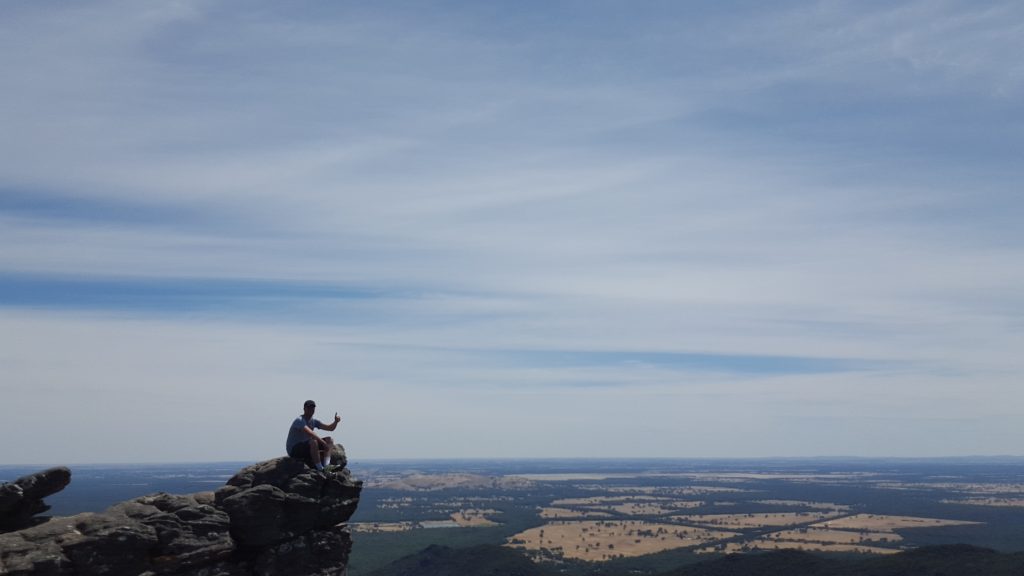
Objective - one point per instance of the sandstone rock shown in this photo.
(189, 532)
(277, 500)
(82, 544)
(272, 518)
(338, 457)
(320, 553)
(10, 495)
(22, 499)
(112, 544)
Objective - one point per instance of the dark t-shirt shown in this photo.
(295, 433)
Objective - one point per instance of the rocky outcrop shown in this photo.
(22, 499)
(272, 518)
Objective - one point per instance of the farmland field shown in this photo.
(644, 515)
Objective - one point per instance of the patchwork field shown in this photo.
(883, 523)
(381, 527)
(1007, 495)
(704, 490)
(804, 504)
(474, 518)
(860, 533)
(599, 500)
(611, 506)
(825, 529)
(762, 544)
(564, 514)
(761, 520)
(437, 482)
(604, 540)
(664, 491)
(998, 502)
(829, 536)
(652, 508)
(790, 476)
(999, 488)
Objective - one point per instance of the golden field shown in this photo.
(604, 540)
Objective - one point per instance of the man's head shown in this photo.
(308, 408)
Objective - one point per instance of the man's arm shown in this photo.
(309, 432)
(331, 427)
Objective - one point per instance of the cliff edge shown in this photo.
(272, 518)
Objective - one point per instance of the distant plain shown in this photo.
(644, 515)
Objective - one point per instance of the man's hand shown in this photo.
(337, 418)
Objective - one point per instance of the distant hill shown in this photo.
(431, 482)
(952, 560)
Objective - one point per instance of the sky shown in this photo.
(557, 229)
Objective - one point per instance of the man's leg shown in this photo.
(327, 450)
(314, 454)
(300, 452)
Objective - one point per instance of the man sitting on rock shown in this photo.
(304, 444)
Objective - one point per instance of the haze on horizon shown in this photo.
(540, 229)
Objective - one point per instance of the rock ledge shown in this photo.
(272, 518)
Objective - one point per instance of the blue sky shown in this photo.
(550, 229)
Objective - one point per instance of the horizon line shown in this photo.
(964, 457)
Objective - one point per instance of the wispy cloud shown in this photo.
(420, 209)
